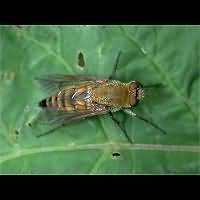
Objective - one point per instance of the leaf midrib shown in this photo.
(100, 146)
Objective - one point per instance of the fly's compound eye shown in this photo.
(136, 84)
(136, 92)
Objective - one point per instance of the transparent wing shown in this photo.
(48, 116)
(55, 119)
(54, 82)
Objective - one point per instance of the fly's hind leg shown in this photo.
(74, 118)
(115, 66)
(121, 127)
(50, 131)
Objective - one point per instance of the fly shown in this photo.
(77, 97)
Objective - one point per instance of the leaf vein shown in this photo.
(163, 74)
(49, 51)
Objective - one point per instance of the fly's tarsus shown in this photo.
(121, 127)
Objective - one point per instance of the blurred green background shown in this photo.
(150, 54)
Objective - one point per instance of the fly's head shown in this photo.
(136, 92)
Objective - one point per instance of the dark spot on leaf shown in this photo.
(115, 154)
(29, 124)
(16, 132)
(19, 26)
(81, 60)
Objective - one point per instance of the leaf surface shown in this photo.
(150, 54)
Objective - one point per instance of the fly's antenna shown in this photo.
(128, 111)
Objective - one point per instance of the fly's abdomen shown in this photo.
(68, 100)
(64, 101)
(60, 101)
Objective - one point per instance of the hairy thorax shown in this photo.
(111, 94)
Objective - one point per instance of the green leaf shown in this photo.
(150, 54)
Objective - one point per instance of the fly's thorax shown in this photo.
(113, 94)
(136, 92)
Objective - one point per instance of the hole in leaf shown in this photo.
(81, 59)
(19, 26)
(16, 132)
(115, 154)
(29, 124)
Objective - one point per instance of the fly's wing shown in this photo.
(54, 82)
(53, 119)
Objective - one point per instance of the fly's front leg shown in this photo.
(115, 66)
(131, 113)
(121, 127)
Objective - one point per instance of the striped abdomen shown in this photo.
(60, 101)
(68, 100)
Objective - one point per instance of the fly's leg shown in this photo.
(75, 118)
(121, 127)
(156, 85)
(115, 66)
(50, 131)
(131, 113)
